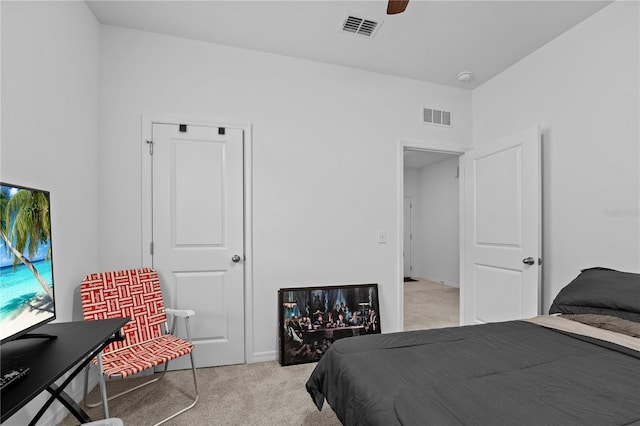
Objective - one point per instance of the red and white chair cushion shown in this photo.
(140, 356)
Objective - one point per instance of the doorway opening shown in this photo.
(431, 238)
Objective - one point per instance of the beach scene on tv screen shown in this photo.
(26, 272)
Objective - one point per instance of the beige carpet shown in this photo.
(261, 393)
(430, 305)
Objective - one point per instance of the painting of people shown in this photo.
(312, 318)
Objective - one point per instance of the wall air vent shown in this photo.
(364, 27)
(436, 116)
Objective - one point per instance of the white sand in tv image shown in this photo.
(25, 317)
(23, 303)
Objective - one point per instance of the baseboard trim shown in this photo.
(439, 280)
(262, 357)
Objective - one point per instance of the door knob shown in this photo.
(235, 258)
(528, 261)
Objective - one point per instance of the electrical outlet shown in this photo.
(382, 237)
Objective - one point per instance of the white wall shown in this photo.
(49, 101)
(325, 144)
(437, 223)
(410, 182)
(583, 90)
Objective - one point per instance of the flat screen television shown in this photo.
(26, 268)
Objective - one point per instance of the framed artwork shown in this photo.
(312, 318)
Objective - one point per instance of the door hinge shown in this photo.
(150, 143)
(151, 247)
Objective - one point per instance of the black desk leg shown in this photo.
(57, 392)
(71, 405)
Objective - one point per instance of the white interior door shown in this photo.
(502, 226)
(197, 180)
(407, 237)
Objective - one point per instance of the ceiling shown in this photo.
(431, 41)
(417, 159)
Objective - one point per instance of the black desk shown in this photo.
(48, 359)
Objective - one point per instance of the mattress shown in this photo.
(509, 373)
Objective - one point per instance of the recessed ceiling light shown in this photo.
(465, 76)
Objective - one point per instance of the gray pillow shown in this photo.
(601, 291)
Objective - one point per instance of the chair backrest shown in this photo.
(134, 294)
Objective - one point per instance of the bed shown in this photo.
(580, 365)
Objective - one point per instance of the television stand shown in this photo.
(77, 343)
(47, 336)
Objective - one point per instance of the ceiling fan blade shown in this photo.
(396, 6)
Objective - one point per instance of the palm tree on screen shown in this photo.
(30, 227)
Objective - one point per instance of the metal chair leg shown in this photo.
(104, 399)
(141, 385)
(86, 381)
(195, 400)
(103, 389)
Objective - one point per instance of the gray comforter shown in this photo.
(511, 373)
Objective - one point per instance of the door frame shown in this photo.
(147, 121)
(423, 146)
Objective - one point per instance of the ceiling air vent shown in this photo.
(365, 27)
(436, 116)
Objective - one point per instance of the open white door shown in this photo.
(502, 230)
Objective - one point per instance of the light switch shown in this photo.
(382, 237)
